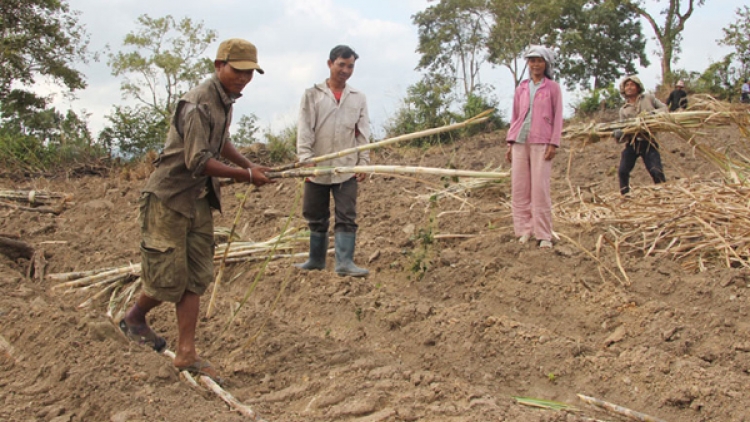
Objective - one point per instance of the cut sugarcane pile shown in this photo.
(705, 112)
(695, 222)
(34, 200)
(121, 283)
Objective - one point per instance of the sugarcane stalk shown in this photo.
(619, 410)
(481, 117)
(104, 291)
(319, 171)
(223, 394)
(223, 263)
(77, 274)
(133, 268)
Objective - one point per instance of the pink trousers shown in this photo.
(530, 190)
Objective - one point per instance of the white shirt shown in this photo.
(326, 126)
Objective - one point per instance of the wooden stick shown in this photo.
(619, 410)
(428, 132)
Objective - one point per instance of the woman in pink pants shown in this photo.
(533, 139)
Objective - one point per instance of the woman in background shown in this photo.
(533, 139)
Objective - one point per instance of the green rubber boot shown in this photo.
(318, 250)
(344, 244)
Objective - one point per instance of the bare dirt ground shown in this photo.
(447, 331)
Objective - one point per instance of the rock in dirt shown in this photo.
(615, 337)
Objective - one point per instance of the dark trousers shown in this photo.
(651, 158)
(316, 206)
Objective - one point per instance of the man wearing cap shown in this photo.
(678, 98)
(176, 223)
(333, 116)
(641, 144)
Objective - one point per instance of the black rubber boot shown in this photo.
(344, 244)
(318, 251)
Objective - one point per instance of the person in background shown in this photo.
(678, 97)
(641, 144)
(745, 93)
(533, 139)
(177, 232)
(333, 116)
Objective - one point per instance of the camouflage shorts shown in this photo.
(177, 253)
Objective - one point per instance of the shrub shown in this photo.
(598, 100)
(282, 147)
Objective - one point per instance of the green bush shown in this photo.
(593, 101)
(282, 147)
(426, 106)
(475, 104)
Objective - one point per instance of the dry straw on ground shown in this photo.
(696, 222)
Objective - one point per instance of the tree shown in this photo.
(40, 38)
(737, 35)
(599, 41)
(163, 60)
(452, 39)
(669, 34)
(516, 25)
(247, 129)
(426, 106)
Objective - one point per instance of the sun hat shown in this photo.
(240, 54)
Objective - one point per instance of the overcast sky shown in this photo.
(294, 37)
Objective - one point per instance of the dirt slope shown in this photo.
(449, 331)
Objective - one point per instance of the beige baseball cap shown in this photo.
(239, 53)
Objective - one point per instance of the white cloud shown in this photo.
(295, 36)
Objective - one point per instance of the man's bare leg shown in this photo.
(187, 319)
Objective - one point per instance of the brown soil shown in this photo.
(449, 331)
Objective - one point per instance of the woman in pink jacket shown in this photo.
(533, 139)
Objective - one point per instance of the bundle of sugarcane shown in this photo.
(705, 112)
(39, 201)
(117, 280)
(695, 222)
(319, 171)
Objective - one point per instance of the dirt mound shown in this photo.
(455, 319)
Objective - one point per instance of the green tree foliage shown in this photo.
(426, 106)
(282, 147)
(517, 24)
(719, 80)
(737, 36)
(669, 32)
(247, 129)
(161, 61)
(35, 137)
(452, 39)
(134, 130)
(40, 38)
(599, 99)
(477, 103)
(599, 41)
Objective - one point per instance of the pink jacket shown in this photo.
(546, 119)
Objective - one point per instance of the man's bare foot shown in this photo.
(201, 367)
